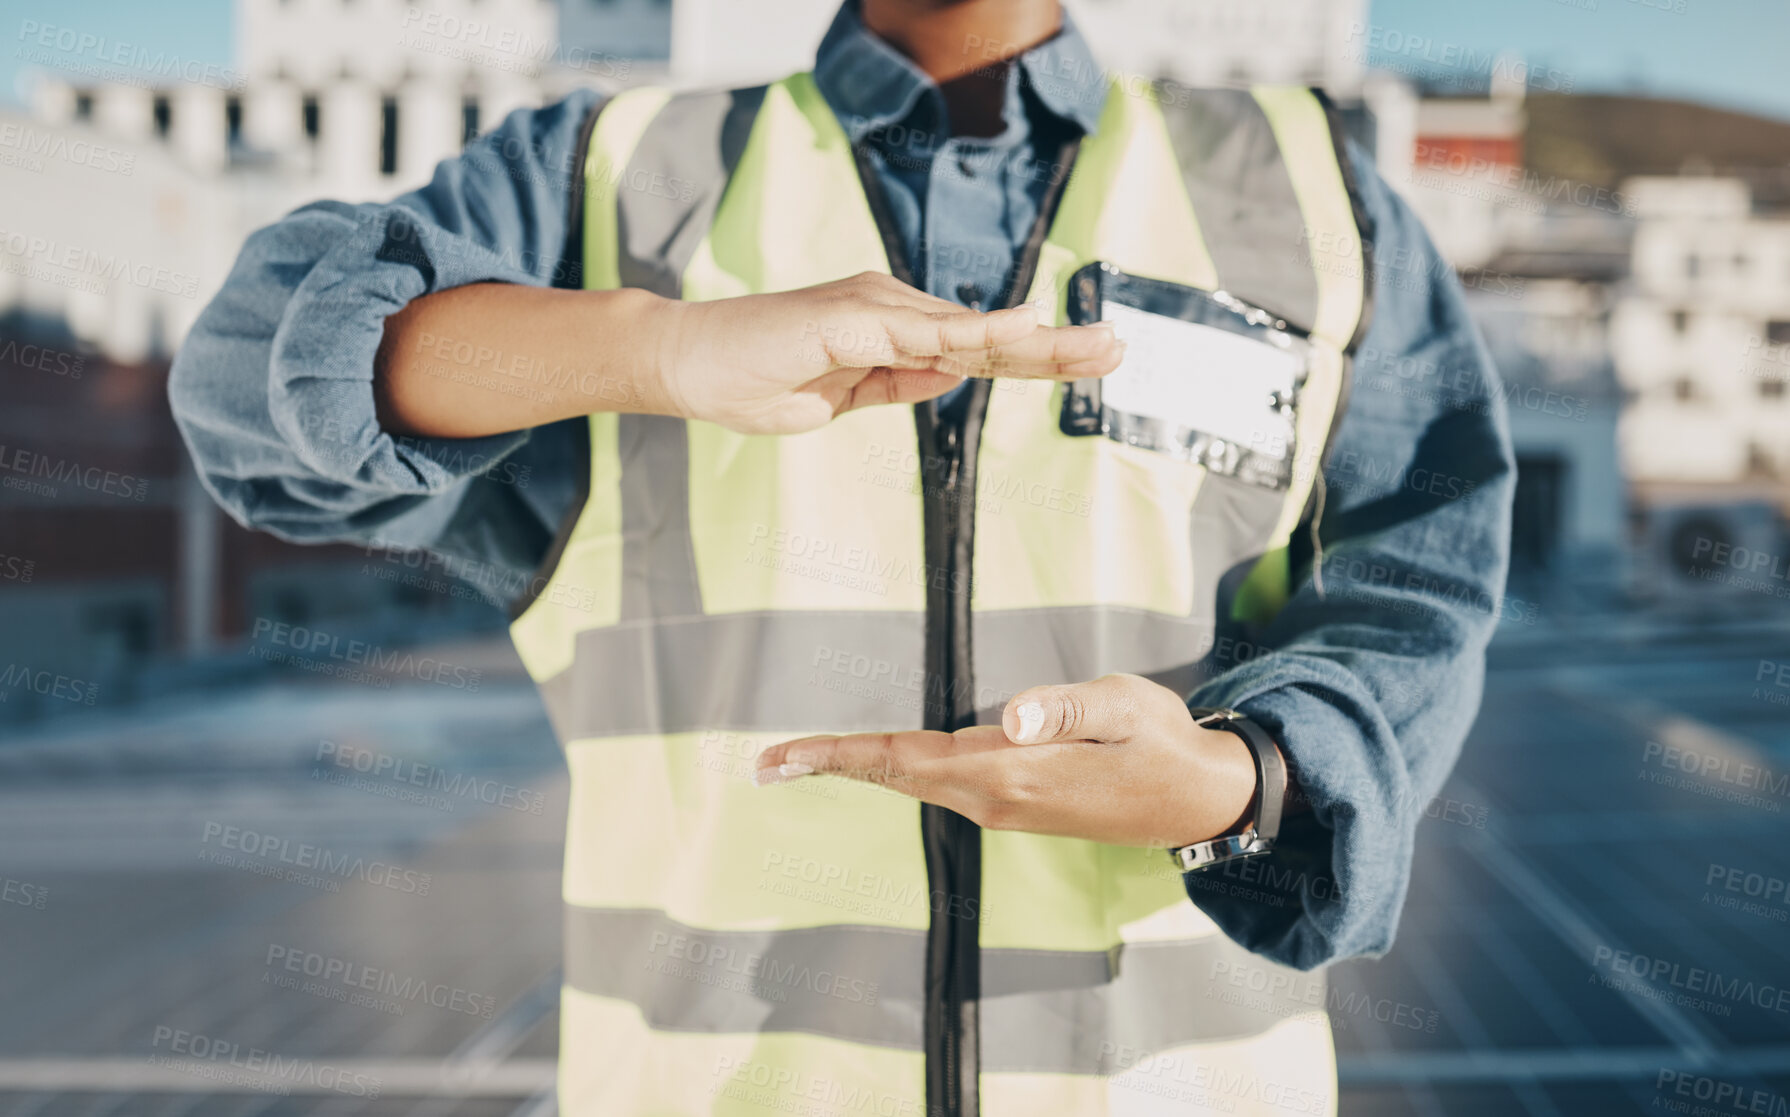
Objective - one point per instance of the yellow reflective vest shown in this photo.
(825, 946)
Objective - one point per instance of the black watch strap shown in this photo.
(1270, 769)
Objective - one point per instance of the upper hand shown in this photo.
(1116, 760)
(792, 361)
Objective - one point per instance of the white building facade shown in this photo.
(1702, 338)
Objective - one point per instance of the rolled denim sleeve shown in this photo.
(1371, 680)
(273, 387)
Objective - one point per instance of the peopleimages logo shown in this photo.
(104, 56)
(694, 958)
(1701, 988)
(313, 649)
(304, 863)
(1746, 559)
(402, 774)
(340, 978)
(254, 1068)
(38, 474)
(1731, 1097)
(19, 676)
(99, 265)
(1719, 767)
(78, 151)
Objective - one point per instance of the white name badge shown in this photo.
(1203, 378)
(1206, 378)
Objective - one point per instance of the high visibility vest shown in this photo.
(828, 946)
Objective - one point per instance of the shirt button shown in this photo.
(969, 295)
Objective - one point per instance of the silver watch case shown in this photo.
(1204, 855)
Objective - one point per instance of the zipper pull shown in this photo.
(947, 439)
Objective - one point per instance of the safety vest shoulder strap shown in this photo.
(654, 174)
(1279, 209)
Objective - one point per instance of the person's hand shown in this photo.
(1116, 760)
(793, 361)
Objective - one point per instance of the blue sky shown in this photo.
(196, 30)
(1726, 52)
(1733, 53)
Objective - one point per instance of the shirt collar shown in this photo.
(871, 85)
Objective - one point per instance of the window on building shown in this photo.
(1681, 320)
(1536, 515)
(1759, 461)
(469, 120)
(1777, 331)
(121, 629)
(388, 136)
(1741, 261)
(233, 120)
(1771, 387)
(163, 110)
(1684, 388)
(83, 106)
(313, 115)
(1692, 266)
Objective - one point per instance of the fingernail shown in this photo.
(782, 773)
(1031, 720)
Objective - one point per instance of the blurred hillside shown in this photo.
(1602, 139)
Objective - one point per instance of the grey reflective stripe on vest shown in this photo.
(846, 671)
(849, 671)
(1020, 648)
(1243, 199)
(1227, 510)
(667, 198)
(664, 206)
(1054, 1011)
(658, 556)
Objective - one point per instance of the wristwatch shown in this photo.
(1270, 791)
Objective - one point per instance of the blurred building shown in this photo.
(1703, 336)
(1542, 274)
(1638, 306)
(1465, 170)
(128, 195)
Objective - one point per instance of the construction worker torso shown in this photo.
(829, 946)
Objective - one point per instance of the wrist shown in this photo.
(640, 330)
(1215, 779)
(1230, 776)
(671, 326)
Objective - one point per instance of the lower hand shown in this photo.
(1117, 760)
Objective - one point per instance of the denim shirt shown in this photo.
(1369, 677)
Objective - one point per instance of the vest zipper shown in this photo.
(952, 843)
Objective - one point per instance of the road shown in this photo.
(341, 899)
